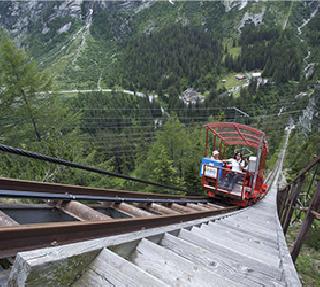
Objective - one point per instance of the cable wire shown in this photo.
(64, 162)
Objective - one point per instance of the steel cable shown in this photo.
(64, 162)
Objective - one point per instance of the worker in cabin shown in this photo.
(237, 164)
(215, 155)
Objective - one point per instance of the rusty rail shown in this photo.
(29, 237)
(58, 188)
(144, 212)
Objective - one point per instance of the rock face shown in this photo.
(254, 18)
(230, 4)
(306, 119)
(191, 96)
(20, 18)
(17, 16)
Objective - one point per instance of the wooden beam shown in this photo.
(301, 208)
(160, 209)
(133, 210)
(282, 199)
(83, 212)
(307, 168)
(6, 220)
(197, 207)
(181, 208)
(292, 201)
(316, 214)
(313, 208)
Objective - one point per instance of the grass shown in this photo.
(234, 51)
(230, 81)
(308, 262)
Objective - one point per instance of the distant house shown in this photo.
(256, 75)
(240, 77)
(191, 96)
(301, 95)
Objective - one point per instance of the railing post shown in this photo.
(314, 206)
(286, 203)
(292, 201)
(282, 197)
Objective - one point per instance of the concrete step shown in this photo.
(173, 269)
(109, 269)
(216, 264)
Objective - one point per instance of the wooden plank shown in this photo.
(4, 275)
(206, 206)
(6, 220)
(216, 264)
(260, 231)
(258, 220)
(83, 212)
(196, 207)
(292, 202)
(214, 205)
(160, 209)
(316, 214)
(290, 275)
(109, 269)
(230, 254)
(248, 248)
(174, 270)
(307, 168)
(285, 206)
(262, 227)
(249, 235)
(133, 210)
(282, 196)
(181, 208)
(58, 272)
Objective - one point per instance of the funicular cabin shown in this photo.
(219, 177)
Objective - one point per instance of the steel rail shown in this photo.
(58, 188)
(28, 237)
(115, 199)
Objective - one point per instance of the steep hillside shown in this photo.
(90, 44)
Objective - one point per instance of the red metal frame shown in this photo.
(231, 134)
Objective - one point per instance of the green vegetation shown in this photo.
(307, 264)
(302, 149)
(171, 60)
(229, 81)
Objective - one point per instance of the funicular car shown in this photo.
(215, 173)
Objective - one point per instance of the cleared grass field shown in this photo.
(229, 81)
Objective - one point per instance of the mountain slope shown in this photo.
(84, 43)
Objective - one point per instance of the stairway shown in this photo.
(222, 253)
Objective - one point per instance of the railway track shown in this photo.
(99, 235)
(68, 213)
(195, 247)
